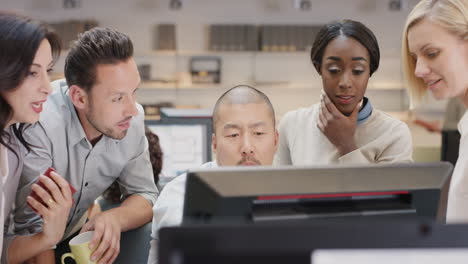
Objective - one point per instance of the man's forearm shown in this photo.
(134, 212)
(46, 257)
(26, 247)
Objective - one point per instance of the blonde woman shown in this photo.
(435, 59)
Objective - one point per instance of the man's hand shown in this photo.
(338, 128)
(107, 231)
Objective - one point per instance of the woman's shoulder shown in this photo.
(386, 121)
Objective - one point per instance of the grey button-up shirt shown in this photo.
(60, 142)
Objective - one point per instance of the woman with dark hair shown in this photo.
(343, 128)
(28, 50)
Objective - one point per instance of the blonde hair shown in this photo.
(452, 15)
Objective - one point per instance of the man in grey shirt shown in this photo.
(92, 132)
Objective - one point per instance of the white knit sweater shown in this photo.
(457, 207)
(380, 138)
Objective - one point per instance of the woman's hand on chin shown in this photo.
(337, 127)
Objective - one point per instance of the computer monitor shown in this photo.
(185, 139)
(256, 194)
(299, 242)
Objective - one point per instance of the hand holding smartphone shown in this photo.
(47, 174)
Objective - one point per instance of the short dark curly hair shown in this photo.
(156, 154)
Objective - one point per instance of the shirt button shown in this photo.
(86, 184)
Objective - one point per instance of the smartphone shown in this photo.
(47, 174)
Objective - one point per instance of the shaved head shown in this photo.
(242, 94)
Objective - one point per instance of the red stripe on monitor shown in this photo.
(327, 195)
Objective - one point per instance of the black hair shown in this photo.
(20, 38)
(348, 28)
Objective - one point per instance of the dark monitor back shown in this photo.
(295, 241)
(450, 146)
(237, 194)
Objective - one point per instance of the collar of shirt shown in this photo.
(211, 164)
(3, 163)
(365, 112)
(463, 124)
(76, 131)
